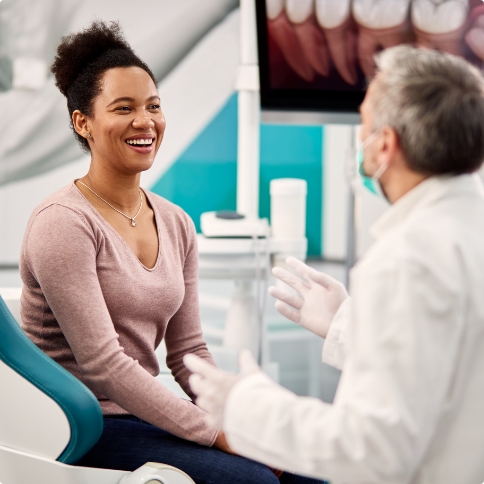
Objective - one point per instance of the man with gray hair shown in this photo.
(409, 407)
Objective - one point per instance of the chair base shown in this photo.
(21, 468)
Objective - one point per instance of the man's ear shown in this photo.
(388, 146)
(80, 123)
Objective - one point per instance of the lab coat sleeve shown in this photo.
(336, 342)
(402, 346)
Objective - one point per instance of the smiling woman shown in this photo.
(110, 270)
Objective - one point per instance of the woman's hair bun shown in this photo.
(81, 61)
(78, 50)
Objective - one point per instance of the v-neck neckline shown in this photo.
(157, 222)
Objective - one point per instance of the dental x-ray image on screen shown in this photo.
(318, 54)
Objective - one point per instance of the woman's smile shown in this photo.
(143, 143)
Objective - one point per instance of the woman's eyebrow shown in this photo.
(130, 99)
(119, 99)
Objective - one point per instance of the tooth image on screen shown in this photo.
(440, 24)
(475, 36)
(334, 17)
(282, 33)
(319, 54)
(301, 15)
(381, 24)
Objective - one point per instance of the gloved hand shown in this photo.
(212, 386)
(319, 299)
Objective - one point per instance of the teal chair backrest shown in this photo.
(34, 372)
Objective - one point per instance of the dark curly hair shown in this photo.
(81, 60)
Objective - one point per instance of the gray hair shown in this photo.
(435, 103)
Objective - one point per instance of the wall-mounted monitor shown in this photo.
(317, 55)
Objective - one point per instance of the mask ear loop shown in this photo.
(380, 171)
(368, 141)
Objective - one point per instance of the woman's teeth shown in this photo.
(144, 142)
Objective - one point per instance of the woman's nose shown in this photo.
(144, 121)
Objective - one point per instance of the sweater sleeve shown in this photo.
(184, 332)
(61, 250)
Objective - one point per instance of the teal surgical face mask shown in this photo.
(370, 183)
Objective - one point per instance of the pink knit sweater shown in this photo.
(92, 306)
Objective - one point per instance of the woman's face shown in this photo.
(127, 125)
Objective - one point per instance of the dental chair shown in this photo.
(49, 420)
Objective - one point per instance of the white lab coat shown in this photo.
(409, 407)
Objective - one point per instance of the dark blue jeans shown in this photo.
(128, 442)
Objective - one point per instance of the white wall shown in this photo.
(18, 200)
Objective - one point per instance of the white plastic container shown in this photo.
(288, 208)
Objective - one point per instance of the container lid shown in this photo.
(288, 186)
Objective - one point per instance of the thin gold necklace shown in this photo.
(133, 223)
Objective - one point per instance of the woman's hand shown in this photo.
(222, 444)
(276, 472)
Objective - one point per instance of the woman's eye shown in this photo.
(123, 108)
(154, 106)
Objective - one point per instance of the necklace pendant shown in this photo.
(133, 223)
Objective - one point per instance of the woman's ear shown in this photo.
(81, 124)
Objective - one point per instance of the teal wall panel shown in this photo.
(294, 152)
(204, 177)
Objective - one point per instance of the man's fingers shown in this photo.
(309, 273)
(196, 365)
(294, 281)
(287, 311)
(291, 299)
(212, 421)
(297, 265)
(196, 383)
(203, 403)
(321, 278)
(247, 362)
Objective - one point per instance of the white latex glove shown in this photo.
(212, 386)
(319, 298)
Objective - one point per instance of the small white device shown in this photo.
(232, 224)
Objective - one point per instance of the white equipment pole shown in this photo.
(242, 325)
(248, 89)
